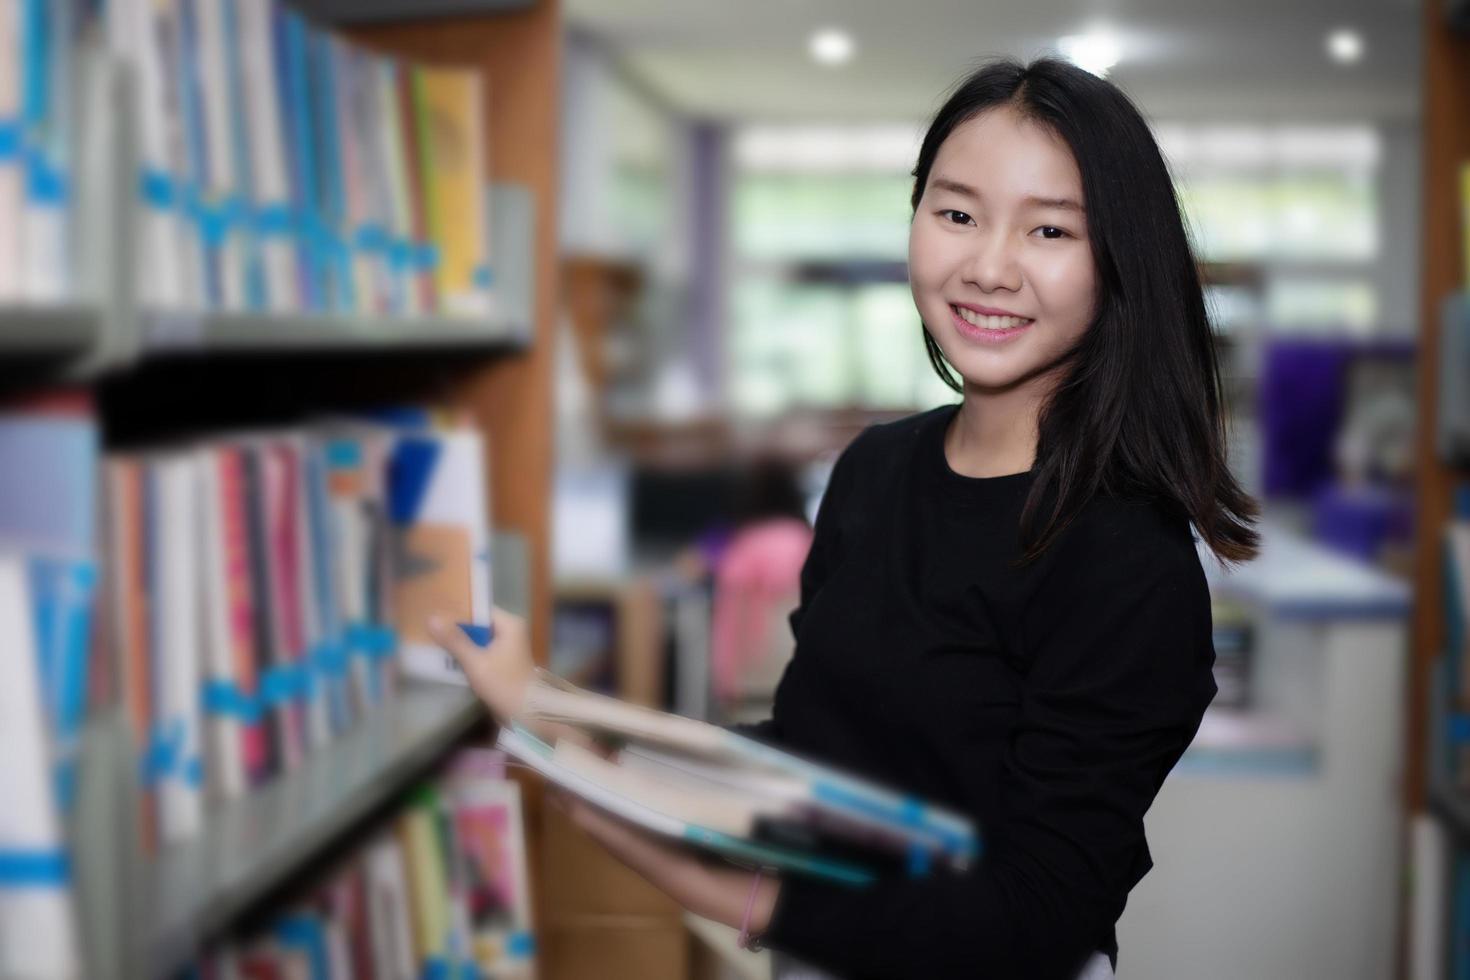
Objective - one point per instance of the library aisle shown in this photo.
(322, 318)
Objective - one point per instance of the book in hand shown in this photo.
(722, 792)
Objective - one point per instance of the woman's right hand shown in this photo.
(499, 673)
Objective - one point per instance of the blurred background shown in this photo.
(231, 323)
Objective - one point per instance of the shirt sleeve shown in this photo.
(1121, 658)
(826, 540)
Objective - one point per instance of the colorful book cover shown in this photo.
(492, 849)
(282, 485)
(439, 505)
(450, 112)
(128, 615)
(420, 269)
(330, 175)
(280, 747)
(235, 543)
(293, 49)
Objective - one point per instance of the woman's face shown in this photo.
(979, 241)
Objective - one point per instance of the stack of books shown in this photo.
(731, 795)
(441, 891)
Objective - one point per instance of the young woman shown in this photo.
(1003, 608)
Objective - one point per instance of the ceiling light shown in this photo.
(1095, 51)
(1345, 46)
(831, 46)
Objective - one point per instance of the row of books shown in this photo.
(243, 599)
(440, 891)
(262, 587)
(284, 168)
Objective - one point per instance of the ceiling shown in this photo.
(1246, 59)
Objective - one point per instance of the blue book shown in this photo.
(293, 40)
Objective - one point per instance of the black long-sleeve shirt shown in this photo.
(1049, 702)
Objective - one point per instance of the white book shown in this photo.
(10, 156)
(834, 798)
(38, 931)
(389, 913)
(268, 158)
(50, 66)
(224, 730)
(222, 183)
(177, 632)
(161, 222)
(445, 546)
(1431, 857)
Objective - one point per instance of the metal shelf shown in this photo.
(225, 333)
(46, 331)
(194, 890)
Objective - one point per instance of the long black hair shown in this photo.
(1138, 411)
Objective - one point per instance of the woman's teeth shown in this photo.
(990, 322)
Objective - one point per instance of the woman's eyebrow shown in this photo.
(965, 190)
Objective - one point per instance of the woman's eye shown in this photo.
(1060, 232)
(963, 215)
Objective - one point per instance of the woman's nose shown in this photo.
(994, 264)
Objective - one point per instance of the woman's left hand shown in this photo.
(712, 892)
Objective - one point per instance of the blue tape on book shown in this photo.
(45, 183)
(40, 868)
(400, 254)
(281, 684)
(9, 140)
(443, 968)
(371, 238)
(909, 813)
(156, 188)
(162, 753)
(479, 635)
(484, 276)
(192, 772)
(372, 641)
(305, 933)
(215, 219)
(1459, 728)
(222, 697)
(275, 221)
(343, 454)
(330, 659)
(521, 944)
(426, 256)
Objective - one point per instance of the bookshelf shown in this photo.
(1446, 145)
(1446, 130)
(143, 917)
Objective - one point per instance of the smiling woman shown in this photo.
(1004, 609)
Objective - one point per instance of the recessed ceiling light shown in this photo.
(831, 46)
(1345, 46)
(1096, 51)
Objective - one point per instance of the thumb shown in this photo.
(466, 653)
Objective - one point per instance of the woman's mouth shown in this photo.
(988, 329)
